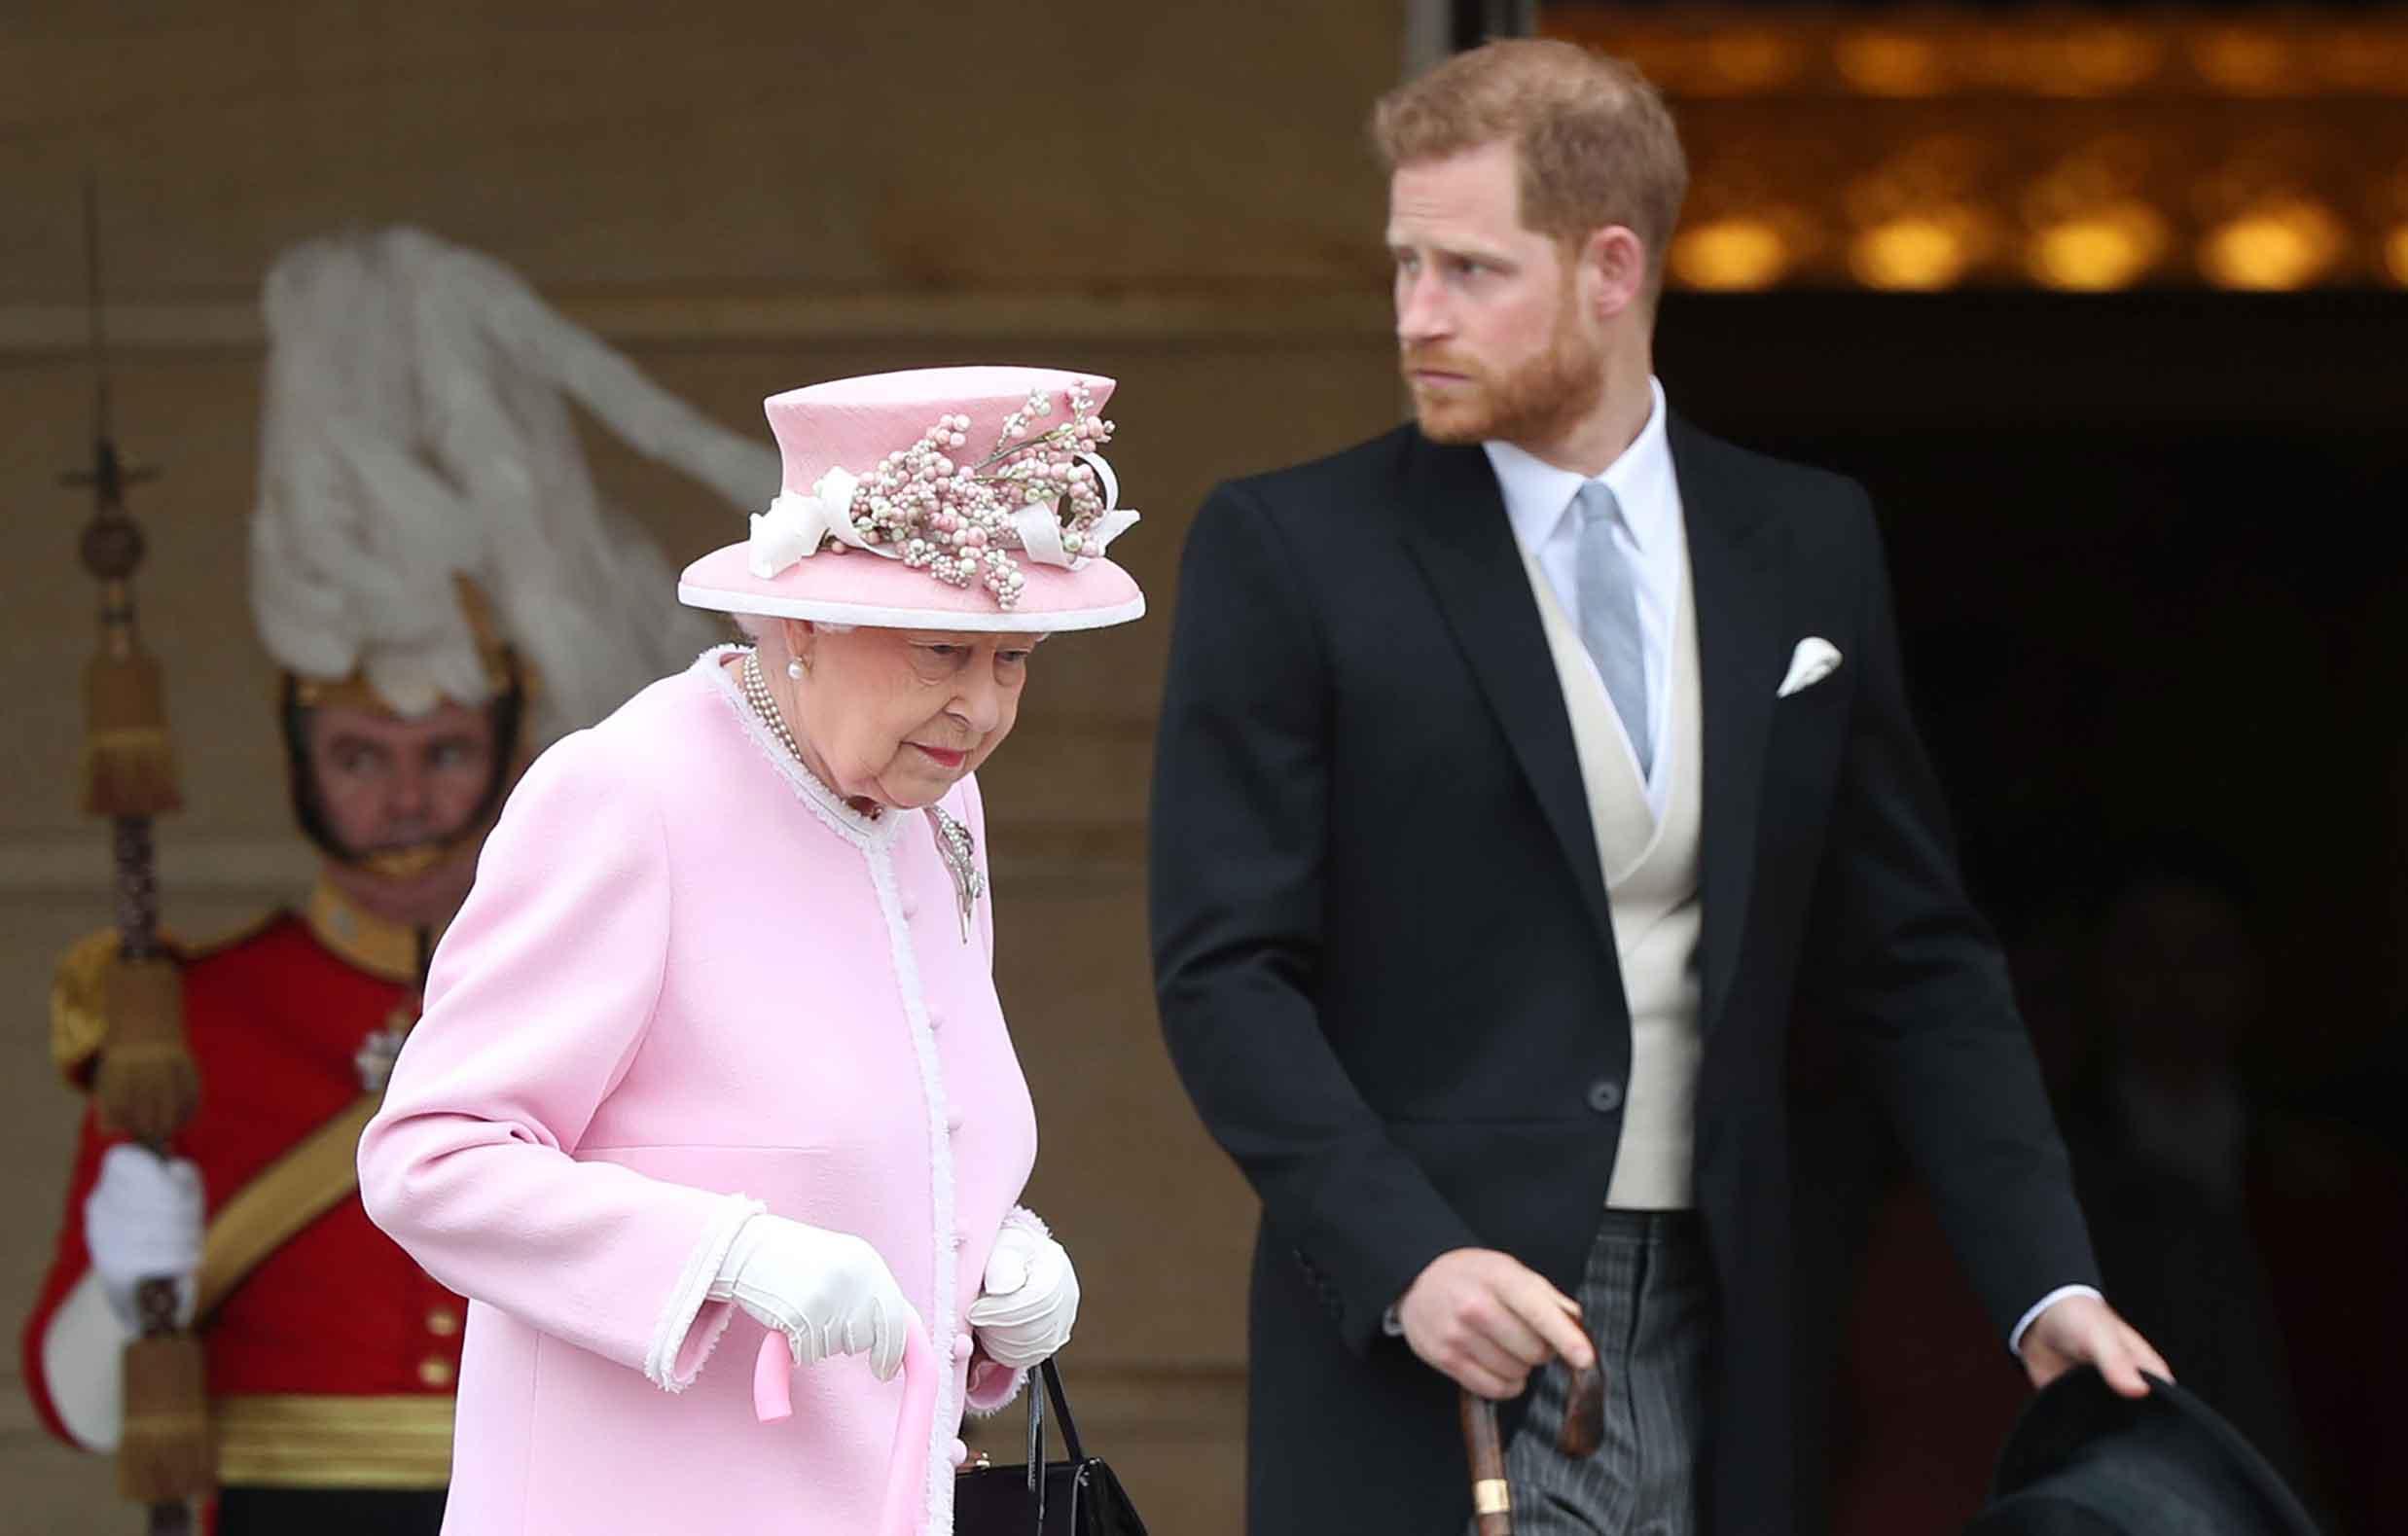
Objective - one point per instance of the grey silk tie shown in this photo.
(1610, 614)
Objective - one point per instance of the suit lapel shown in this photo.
(1456, 529)
(1735, 568)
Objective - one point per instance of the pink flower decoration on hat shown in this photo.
(963, 519)
(988, 479)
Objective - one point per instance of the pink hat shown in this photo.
(938, 498)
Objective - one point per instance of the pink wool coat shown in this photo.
(690, 984)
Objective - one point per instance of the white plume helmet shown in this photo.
(415, 428)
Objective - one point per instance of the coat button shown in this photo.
(1604, 1095)
(442, 1322)
(435, 1372)
(936, 1018)
(954, 1119)
(910, 909)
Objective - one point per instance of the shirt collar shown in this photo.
(1538, 494)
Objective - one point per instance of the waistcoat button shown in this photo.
(1604, 1095)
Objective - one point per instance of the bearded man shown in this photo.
(1522, 773)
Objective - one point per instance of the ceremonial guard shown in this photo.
(444, 592)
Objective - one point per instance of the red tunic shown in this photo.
(274, 1020)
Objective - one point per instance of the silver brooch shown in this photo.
(962, 858)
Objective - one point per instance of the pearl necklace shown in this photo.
(955, 845)
(757, 693)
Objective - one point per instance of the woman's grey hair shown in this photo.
(754, 624)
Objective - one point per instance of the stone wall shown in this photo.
(1174, 195)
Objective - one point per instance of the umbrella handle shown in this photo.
(1484, 1449)
(1583, 1429)
(907, 1469)
(1584, 1415)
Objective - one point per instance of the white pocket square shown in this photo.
(1814, 660)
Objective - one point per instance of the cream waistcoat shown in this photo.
(1651, 878)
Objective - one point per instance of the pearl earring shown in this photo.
(794, 667)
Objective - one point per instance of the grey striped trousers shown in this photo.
(1647, 1302)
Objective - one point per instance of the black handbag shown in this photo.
(1077, 1497)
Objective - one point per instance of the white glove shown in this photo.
(142, 1222)
(828, 1292)
(1031, 1299)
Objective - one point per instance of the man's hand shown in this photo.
(143, 1221)
(2083, 1330)
(1487, 1320)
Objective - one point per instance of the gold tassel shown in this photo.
(147, 1086)
(129, 763)
(165, 1452)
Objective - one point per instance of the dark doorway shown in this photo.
(2149, 555)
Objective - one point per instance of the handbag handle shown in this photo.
(1036, 1435)
(1061, 1410)
(1036, 1453)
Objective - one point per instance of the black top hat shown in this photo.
(2084, 1461)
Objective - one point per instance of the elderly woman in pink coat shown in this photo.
(713, 1054)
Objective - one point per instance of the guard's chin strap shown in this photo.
(409, 862)
(508, 710)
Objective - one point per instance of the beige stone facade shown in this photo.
(745, 197)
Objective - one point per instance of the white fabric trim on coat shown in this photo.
(862, 832)
(687, 1297)
(948, 1245)
(876, 839)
